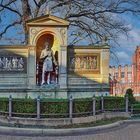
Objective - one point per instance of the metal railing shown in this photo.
(96, 106)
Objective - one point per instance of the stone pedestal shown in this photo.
(31, 67)
(63, 67)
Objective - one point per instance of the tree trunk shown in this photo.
(26, 15)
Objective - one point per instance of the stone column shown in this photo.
(104, 67)
(31, 67)
(63, 67)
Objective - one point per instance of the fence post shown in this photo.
(94, 105)
(38, 107)
(126, 103)
(131, 110)
(70, 106)
(10, 106)
(102, 103)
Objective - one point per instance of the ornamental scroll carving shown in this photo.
(63, 35)
(33, 32)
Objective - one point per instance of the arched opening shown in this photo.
(50, 77)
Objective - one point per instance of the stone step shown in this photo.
(83, 81)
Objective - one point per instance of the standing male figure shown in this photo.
(48, 61)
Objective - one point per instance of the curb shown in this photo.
(65, 132)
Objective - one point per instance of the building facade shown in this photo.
(136, 72)
(124, 77)
(120, 79)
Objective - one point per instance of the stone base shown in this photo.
(60, 121)
(88, 93)
(52, 91)
(34, 92)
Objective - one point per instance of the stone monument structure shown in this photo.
(46, 66)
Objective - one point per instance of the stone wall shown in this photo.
(13, 66)
(88, 69)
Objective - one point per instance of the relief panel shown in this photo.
(12, 63)
(84, 63)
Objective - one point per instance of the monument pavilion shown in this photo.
(80, 71)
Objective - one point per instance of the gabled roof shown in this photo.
(47, 20)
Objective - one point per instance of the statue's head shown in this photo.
(46, 45)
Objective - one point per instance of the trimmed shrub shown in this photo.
(136, 108)
(4, 103)
(82, 107)
(129, 93)
(54, 108)
(114, 103)
(24, 107)
(98, 104)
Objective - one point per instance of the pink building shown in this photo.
(136, 71)
(120, 79)
(124, 77)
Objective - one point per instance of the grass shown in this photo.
(92, 124)
(82, 125)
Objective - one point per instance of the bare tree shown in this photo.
(92, 20)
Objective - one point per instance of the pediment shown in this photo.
(47, 20)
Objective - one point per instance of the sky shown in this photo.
(128, 45)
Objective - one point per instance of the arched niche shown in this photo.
(38, 29)
(40, 45)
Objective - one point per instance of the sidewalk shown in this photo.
(65, 132)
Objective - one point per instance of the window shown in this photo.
(139, 78)
(129, 74)
(116, 74)
(123, 90)
(122, 74)
(123, 80)
(129, 81)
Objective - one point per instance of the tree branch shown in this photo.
(36, 3)
(12, 1)
(8, 27)
(10, 9)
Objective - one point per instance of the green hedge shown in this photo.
(53, 107)
(24, 106)
(60, 107)
(114, 103)
(4, 104)
(136, 108)
(82, 107)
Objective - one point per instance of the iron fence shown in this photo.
(66, 108)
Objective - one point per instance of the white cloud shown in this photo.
(121, 58)
(128, 44)
(122, 55)
(131, 42)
